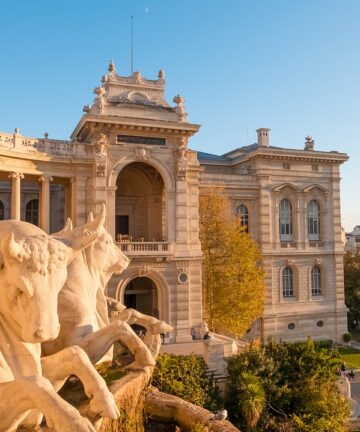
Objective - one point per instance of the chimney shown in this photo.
(263, 137)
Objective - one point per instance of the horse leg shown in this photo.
(36, 392)
(97, 344)
(74, 361)
(153, 326)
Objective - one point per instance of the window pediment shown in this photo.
(315, 187)
(285, 186)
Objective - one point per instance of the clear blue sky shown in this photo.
(290, 65)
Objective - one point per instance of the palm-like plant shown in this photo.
(251, 398)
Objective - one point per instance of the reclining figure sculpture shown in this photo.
(33, 269)
(83, 310)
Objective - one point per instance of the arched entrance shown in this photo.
(140, 207)
(141, 294)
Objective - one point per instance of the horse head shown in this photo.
(102, 255)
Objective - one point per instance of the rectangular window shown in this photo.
(129, 139)
(288, 288)
(285, 221)
(316, 282)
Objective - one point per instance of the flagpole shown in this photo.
(132, 44)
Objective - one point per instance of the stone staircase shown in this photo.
(214, 351)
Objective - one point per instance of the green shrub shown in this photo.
(187, 377)
(346, 337)
(288, 387)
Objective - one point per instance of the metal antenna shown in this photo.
(132, 44)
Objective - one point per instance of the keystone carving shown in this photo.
(142, 152)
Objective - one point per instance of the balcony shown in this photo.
(287, 244)
(316, 244)
(145, 248)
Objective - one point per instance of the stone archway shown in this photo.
(140, 204)
(157, 280)
(141, 294)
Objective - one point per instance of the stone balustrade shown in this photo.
(48, 146)
(145, 248)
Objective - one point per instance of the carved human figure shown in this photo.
(83, 311)
(100, 98)
(101, 146)
(33, 269)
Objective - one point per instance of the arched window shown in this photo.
(32, 212)
(313, 220)
(2, 211)
(316, 281)
(288, 282)
(285, 220)
(243, 214)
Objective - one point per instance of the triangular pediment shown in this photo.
(315, 186)
(286, 185)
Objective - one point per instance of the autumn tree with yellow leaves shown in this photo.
(233, 279)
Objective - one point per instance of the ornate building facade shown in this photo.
(130, 150)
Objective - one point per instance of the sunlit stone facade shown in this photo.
(130, 150)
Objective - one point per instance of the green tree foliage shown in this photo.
(251, 397)
(187, 376)
(352, 286)
(297, 382)
(233, 281)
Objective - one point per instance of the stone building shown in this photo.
(352, 239)
(130, 150)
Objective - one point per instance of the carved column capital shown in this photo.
(16, 175)
(45, 178)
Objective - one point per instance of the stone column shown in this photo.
(111, 210)
(44, 219)
(16, 194)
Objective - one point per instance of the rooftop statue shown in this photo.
(33, 269)
(83, 310)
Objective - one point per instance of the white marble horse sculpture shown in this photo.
(33, 269)
(83, 311)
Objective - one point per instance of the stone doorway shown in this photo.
(141, 294)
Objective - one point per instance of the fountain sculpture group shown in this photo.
(54, 322)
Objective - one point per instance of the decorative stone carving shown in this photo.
(309, 143)
(181, 169)
(137, 77)
(33, 269)
(111, 68)
(83, 311)
(16, 175)
(142, 152)
(143, 271)
(180, 108)
(182, 149)
(203, 329)
(101, 146)
(99, 102)
(100, 168)
(45, 178)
